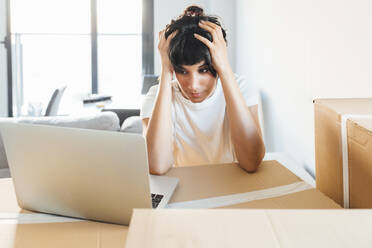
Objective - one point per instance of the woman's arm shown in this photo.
(245, 131)
(244, 125)
(158, 129)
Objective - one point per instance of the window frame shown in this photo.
(147, 46)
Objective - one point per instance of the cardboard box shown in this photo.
(83, 234)
(20, 228)
(213, 183)
(250, 228)
(344, 169)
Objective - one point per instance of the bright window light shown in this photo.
(51, 47)
(50, 16)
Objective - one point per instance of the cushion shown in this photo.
(100, 121)
(132, 124)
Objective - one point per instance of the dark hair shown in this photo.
(184, 48)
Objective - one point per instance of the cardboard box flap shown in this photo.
(359, 144)
(307, 199)
(329, 146)
(200, 228)
(360, 131)
(82, 234)
(250, 228)
(360, 106)
(226, 179)
(364, 123)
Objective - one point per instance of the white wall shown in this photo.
(3, 62)
(165, 10)
(300, 50)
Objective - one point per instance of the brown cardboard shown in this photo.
(328, 150)
(250, 228)
(307, 199)
(199, 182)
(82, 234)
(218, 180)
(59, 234)
(360, 162)
(195, 183)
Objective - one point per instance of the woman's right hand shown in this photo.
(163, 48)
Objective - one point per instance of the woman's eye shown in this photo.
(204, 70)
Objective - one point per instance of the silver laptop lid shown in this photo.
(99, 175)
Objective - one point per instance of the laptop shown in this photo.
(82, 173)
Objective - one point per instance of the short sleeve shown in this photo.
(148, 102)
(249, 91)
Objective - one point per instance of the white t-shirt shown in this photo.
(201, 130)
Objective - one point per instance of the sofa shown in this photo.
(115, 120)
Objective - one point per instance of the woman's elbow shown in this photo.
(251, 165)
(156, 169)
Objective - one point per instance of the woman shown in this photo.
(208, 115)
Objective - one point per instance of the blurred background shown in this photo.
(294, 51)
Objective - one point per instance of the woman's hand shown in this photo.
(217, 48)
(163, 48)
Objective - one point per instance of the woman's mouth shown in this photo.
(195, 95)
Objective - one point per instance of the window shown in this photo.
(92, 46)
(119, 42)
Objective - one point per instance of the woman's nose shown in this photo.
(194, 82)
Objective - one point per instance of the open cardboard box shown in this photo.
(21, 228)
(344, 157)
(250, 228)
(216, 181)
(82, 234)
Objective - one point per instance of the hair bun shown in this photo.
(193, 11)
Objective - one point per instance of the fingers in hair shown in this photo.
(203, 39)
(212, 28)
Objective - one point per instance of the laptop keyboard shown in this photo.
(156, 200)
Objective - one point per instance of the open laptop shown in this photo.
(89, 174)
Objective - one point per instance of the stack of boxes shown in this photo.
(343, 150)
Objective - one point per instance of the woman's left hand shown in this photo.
(217, 48)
